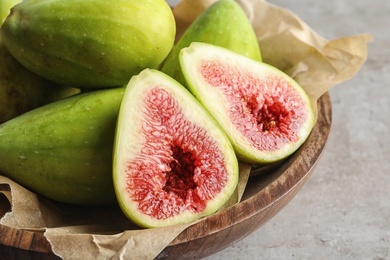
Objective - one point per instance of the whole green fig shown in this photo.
(63, 150)
(89, 43)
(22, 90)
(225, 24)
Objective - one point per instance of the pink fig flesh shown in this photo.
(172, 162)
(265, 113)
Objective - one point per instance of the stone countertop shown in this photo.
(343, 211)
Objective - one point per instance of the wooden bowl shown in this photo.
(266, 194)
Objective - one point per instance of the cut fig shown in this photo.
(172, 162)
(265, 113)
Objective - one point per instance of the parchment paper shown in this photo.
(286, 42)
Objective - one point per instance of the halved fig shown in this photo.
(265, 113)
(172, 162)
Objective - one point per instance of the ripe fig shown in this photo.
(22, 90)
(89, 43)
(225, 24)
(172, 162)
(63, 150)
(265, 113)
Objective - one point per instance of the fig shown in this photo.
(63, 150)
(172, 162)
(225, 24)
(266, 114)
(89, 43)
(22, 90)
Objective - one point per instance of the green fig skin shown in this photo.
(224, 24)
(5, 7)
(22, 90)
(89, 43)
(63, 150)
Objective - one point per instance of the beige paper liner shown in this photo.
(76, 232)
(104, 233)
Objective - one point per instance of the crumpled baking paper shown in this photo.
(77, 232)
(286, 42)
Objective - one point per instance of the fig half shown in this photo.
(172, 162)
(266, 114)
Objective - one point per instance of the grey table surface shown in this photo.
(343, 211)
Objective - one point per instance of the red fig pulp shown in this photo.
(172, 162)
(265, 113)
